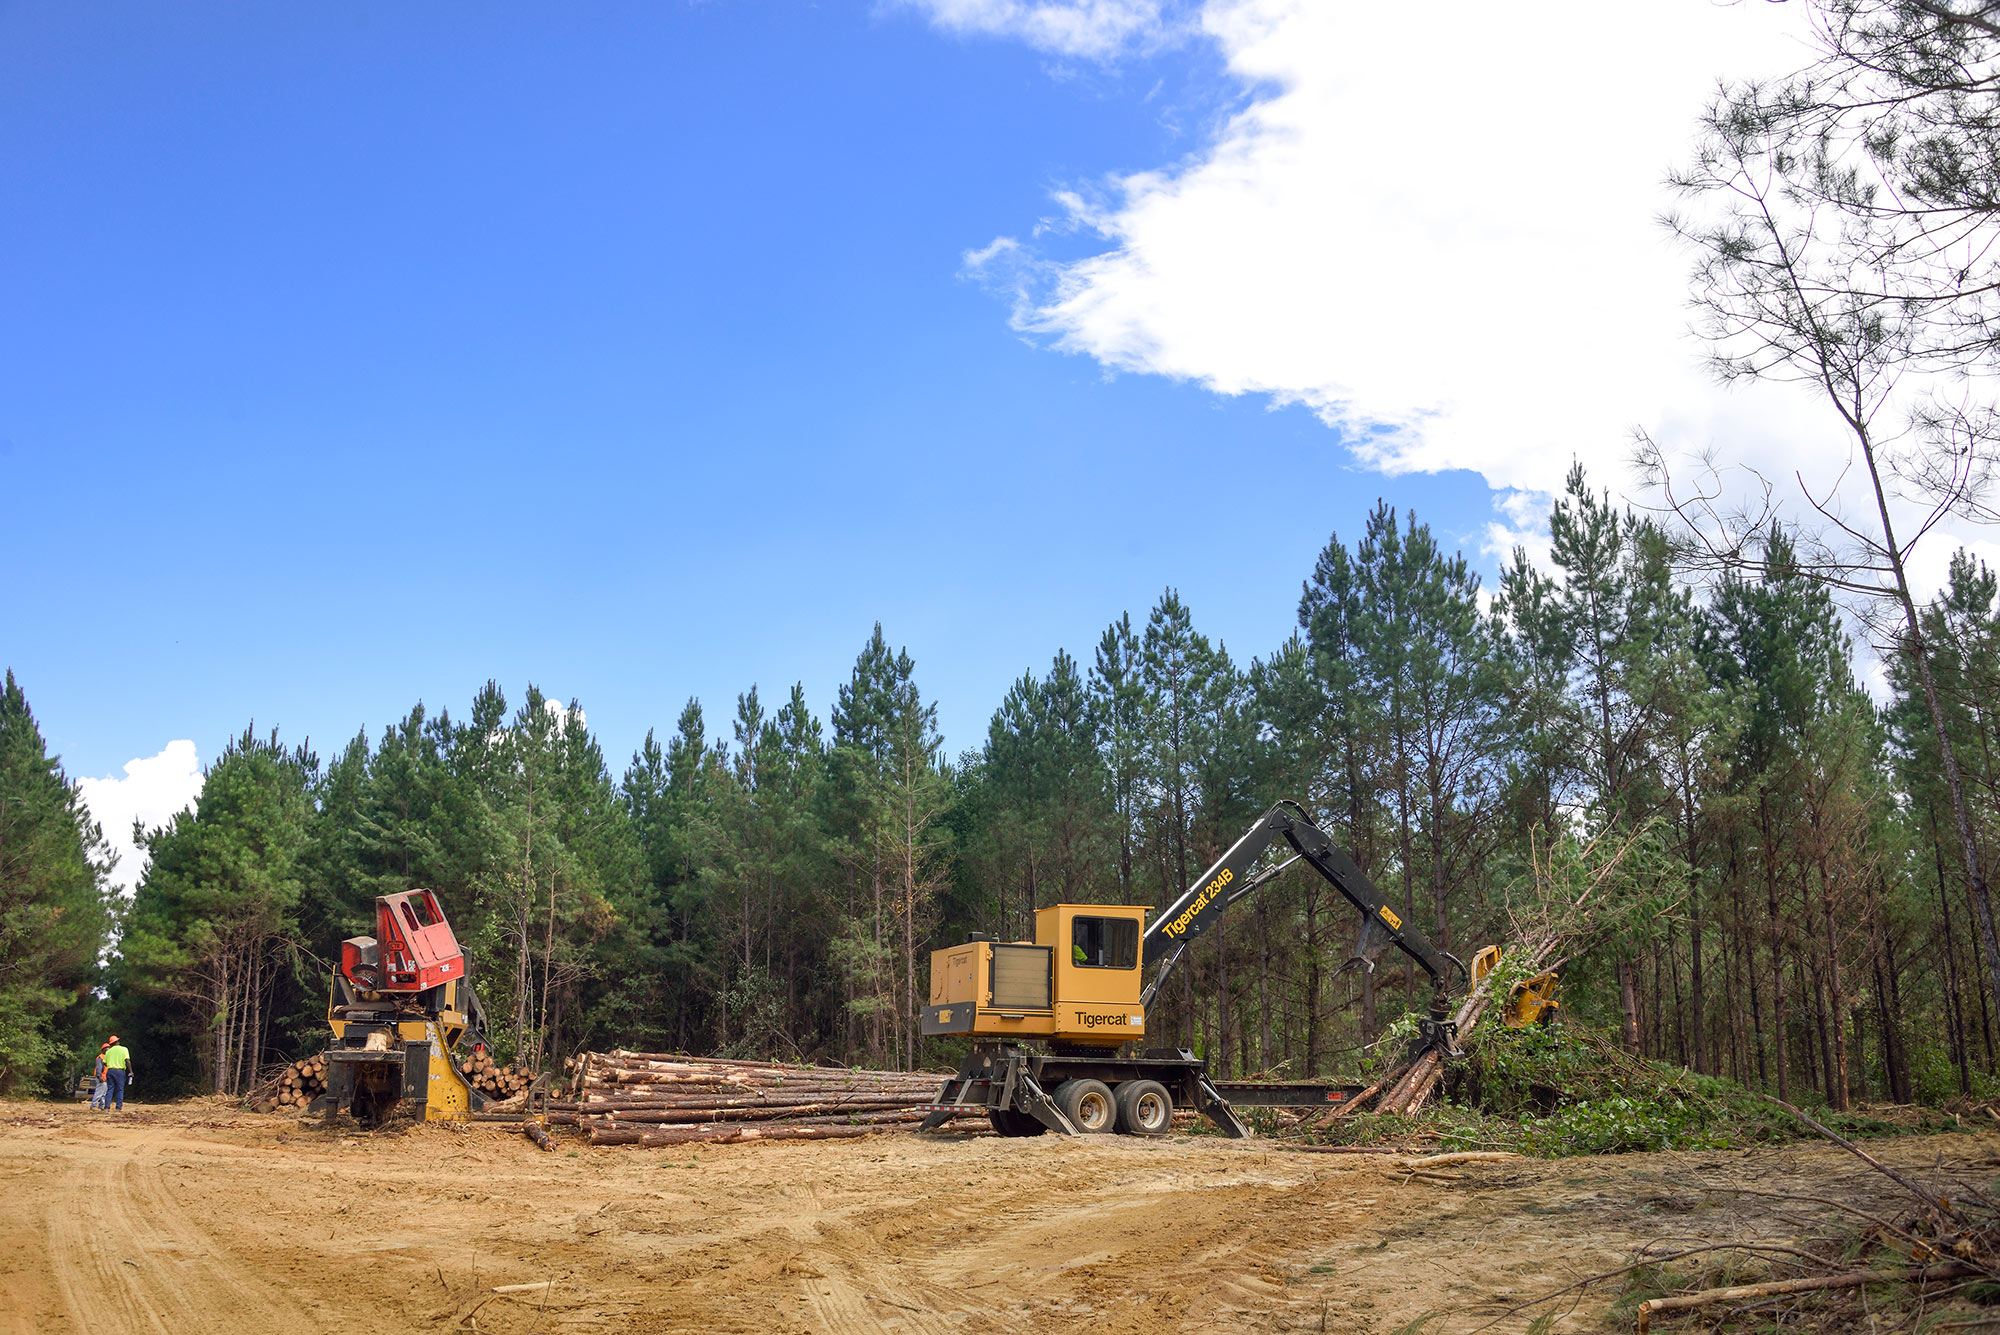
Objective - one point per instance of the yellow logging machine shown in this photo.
(1078, 991)
(401, 1007)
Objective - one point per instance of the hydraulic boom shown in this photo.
(1230, 879)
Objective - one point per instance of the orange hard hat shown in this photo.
(109, 1041)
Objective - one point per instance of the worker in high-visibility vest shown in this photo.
(118, 1070)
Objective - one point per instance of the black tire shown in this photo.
(1013, 1122)
(1088, 1105)
(1144, 1108)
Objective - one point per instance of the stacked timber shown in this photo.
(295, 1085)
(655, 1098)
(493, 1080)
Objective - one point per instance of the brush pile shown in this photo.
(494, 1081)
(1575, 898)
(1909, 1247)
(295, 1085)
(654, 1098)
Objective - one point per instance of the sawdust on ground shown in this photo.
(194, 1218)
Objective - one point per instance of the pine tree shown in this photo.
(1454, 704)
(219, 903)
(55, 912)
(1963, 631)
(1334, 620)
(1696, 728)
(891, 801)
(1191, 693)
(1014, 802)
(1045, 795)
(1590, 544)
(1389, 568)
(1117, 708)
(1806, 757)
(1538, 656)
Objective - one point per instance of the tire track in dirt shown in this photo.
(854, 1293)
(127, 1257)
(844, 1284)
(896, 1236)
(1031, 1253)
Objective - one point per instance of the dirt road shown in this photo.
(197, 1220)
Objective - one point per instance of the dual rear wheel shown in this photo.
(1135, 1107)
(1144, 1108)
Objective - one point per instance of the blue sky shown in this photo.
(356, 354)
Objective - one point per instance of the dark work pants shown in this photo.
(117, 1094)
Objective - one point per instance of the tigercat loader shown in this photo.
(401, 1005)
(1078, 992)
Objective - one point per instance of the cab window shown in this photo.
(1104, 943)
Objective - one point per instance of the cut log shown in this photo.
(1852, 1280)
(1460, 1156)
(731, 1135)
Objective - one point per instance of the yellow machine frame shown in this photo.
(1077, 982)
(446, 1097)
(1532, 1001)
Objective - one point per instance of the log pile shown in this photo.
(653, 1098)
(493, 1080)
(296, 1085)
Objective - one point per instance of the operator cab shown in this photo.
(1077, 982)
(1103, 942)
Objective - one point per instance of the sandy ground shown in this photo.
(192, 1218)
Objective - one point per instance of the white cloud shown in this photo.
(1523, 522)
(561, 717)
(154, 789)
(1930, 568)
(1090, 29)
(1438, 233)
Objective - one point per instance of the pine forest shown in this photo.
(1789, 906)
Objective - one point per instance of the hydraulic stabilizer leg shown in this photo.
(1032, 1099)
(339, 1089)
(1208, 1101)
(942, 1115)
(953, 1094)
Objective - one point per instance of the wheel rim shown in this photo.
(1093, 1111)
(1151, 1113)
